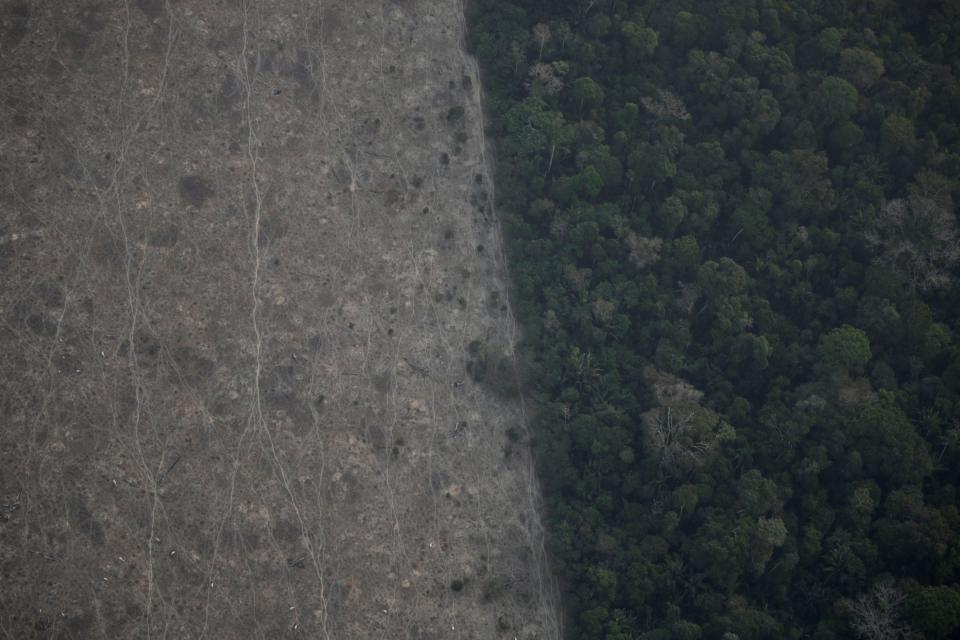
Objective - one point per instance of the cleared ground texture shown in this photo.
(244, 249)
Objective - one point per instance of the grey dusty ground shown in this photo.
(243, 249)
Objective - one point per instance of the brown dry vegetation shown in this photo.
(241, 255)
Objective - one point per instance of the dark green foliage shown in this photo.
(935, 611)
(836, 99)
(734, 249)
(845, 348)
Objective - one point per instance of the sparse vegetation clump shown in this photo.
(455, 115)
(494, 367)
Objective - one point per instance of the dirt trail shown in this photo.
(245, 247)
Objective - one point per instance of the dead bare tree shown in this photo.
(917, 235)
(675, 436)
(876, 616)
(543, 80)
(665, 105)
(541, 33)
(681, 433)
(643, 251)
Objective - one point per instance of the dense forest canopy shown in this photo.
(734, 244)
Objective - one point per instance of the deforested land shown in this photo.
(258, 374)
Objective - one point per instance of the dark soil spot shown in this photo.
(151, 8)
(287, 532)
(82, 519)
(50, 292)
(165, 236)
(41, 325)
(194, 190)
(375, 436)
(271, 230)
(13, 25)
(229, 95)
(193, 367)
(382, 382)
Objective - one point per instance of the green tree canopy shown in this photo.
(846, 348)
(836, 99)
